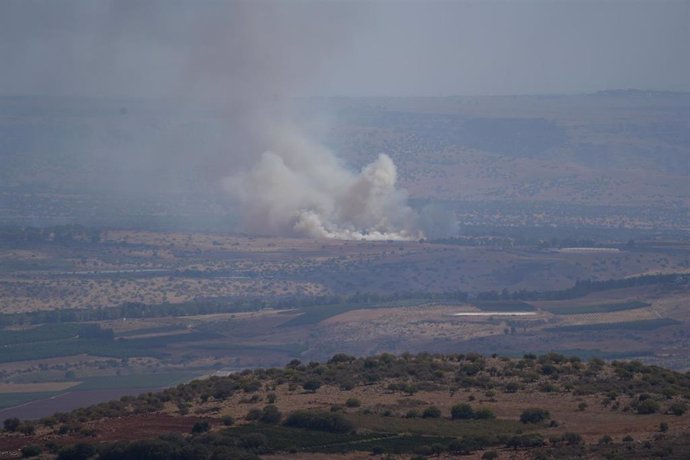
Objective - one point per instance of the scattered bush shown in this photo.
(461, 412)
(353, 402)
(201, 427)
(677, 408)
(534, 415)
(253, 414)
(11, 424)
(431, 412)
(31, 450)
(319, 421)
(311, 385)
(648, 406)
(271, 415)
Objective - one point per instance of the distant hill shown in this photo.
(425, 405)
(103, 161)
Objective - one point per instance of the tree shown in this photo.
(461, 412)
(80, 451)
(11, 424)
(201, 427)
(311, 385)
(648, 406)
(677, 408)
(431, 412)
(271, 414)
(31, 450)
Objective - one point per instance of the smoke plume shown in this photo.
(300, 188)
(225, 73)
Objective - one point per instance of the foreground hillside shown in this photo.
(548, 406)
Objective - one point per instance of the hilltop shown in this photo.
(548, 406)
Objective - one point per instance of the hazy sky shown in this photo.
(328, 47)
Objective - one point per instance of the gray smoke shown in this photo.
(243, 61)
(302, 188)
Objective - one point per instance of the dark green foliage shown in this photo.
(534, 415)
(648, 406)
(483, 413)
(638, 325)
(572, 438)
(319, 421)
(526, 440)
(677, 408)
(11, 424)
(311, 385)
(201, 427)
(353, 402)
(271, 414)
(31, 450)
(461, 412)
(431, 412)
(598, 308)
(80, 451)
(228, 420)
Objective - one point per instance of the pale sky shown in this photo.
(393, 48)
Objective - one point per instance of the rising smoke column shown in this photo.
(229, 66)
(300, 188)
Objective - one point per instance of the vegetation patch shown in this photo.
(596, 308)
(640, 325)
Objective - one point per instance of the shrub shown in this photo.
(431, 412)
(412, 413)
(228, 420)
(512, 387)
(534, 415)
(648, 406)
(77, 452)
(311, 385)
(253, 414)
(11, 424)
(574, 439)
(271, 414)
(606, 439)
(353, 402)
(201, 427)
(253, 441)
(461, 411)
(27, 428)
(663, 427)
(677, 408)
(271, 398)
(319, 421)
(484, 413)
(30, 450)
(490, 455)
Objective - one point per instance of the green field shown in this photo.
(316, 314)
(503, 306)
(15, 399)
(596, 308)
(640, 325)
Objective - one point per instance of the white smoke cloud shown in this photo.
(225, 74)
(300, 188)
